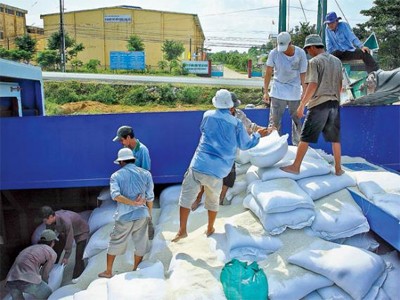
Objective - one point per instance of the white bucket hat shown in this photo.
(222, 99)
(124, 154)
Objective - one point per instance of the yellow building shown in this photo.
(12, 25)
(108, 29)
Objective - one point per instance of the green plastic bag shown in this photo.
(243, 281)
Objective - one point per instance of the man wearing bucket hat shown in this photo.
(229, 180)
(221, 135)
(31, 268)
(131, 187)
(322, 96)
(342, 42)
(288, 63)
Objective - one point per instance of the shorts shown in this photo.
(324, 118)
(119, 237)
(229, 180)
(191, 187)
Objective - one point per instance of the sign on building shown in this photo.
(196, 67)
(117, 19)
(127, 60)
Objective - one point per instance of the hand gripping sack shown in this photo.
(243, 281)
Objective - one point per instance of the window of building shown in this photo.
(20, 14)
(1, 9)
(1, 35)
(10, 11)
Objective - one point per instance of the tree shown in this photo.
(48, 59)
(172, 49)
(385, 22)
(135, 43)
(299, 33)
(72, 48)
(27, 44)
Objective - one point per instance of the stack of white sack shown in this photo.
(338, 216)
(170, 195)
(357, 272)
(382, 188)
(239, 186)
(102, 215)
(245, 245)
(98, 241)
(280, 204)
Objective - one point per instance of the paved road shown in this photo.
(138, 79)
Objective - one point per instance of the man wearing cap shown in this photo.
(342, 42)
(322, 96)
(288, 63)
(131, 187)
(229, 180)
(126, 137)
(221, 135)
(70, 226)
(30, 271)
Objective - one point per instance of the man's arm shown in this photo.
(267, 80)
(51, 257)
(136, 202)
(310, 91)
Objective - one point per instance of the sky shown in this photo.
(227, 24)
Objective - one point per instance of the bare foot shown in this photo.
(339, 172)
(105, 275)
(178, 237)
(195, 205)
(290, 169)
(208, 233)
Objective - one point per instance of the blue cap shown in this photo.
(331, 17)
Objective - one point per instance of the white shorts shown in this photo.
(191, 187)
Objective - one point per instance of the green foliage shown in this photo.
(385, 22)
(190, 95)
(27, 44)
(162, 65)
(236, 60)
(92, 65)
(106, 94)
(64, 95)
(48, 59)
(299, 33)
(138, 96)
(172, 49)
(135, 43)
(76, 64)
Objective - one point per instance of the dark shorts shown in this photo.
(229, 180)
(323, 118)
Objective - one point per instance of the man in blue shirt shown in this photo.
(131, 187)
(342, 43)
(221, 135)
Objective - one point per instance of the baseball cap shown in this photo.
(222, 99)
(313, 40)
(283, 41)
(124, 154)
(331, 17)
(48, 235)
(122, 131)
(235, 100)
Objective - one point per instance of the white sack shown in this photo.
(101, 216)
(269, 150)
(279, 195)
(239, 186)
(170, 195)
(377, 182)
(242, 168)
(389, 202)
(308, 168)
(338, 216)
(105, 197)
(242, 156)
(56, 276)
(319, 186)
(252, 174)
(237, 238)
(364, 241)
(98, 241)
(352, 269)
(37, 233)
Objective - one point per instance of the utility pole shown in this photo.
(62, 36)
